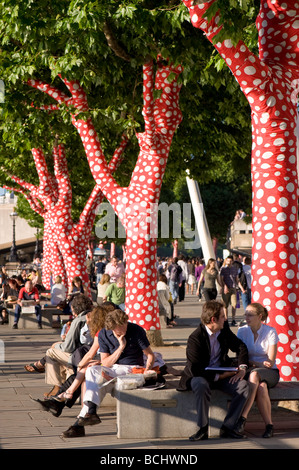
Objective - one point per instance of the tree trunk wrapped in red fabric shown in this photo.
(269, 84)
(65, 242)
(136, 205)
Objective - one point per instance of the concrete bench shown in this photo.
(167, 413)
(28, 320)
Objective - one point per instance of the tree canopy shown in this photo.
(103, 45)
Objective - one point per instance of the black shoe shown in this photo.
(233, 323)
(40, 326)
(89, 420)
(200, 435)
(50, 405)
(241, 424)
(15, 326)
(268, 431)
(232, 433)
(74, 431)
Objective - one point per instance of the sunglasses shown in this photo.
(248, 313)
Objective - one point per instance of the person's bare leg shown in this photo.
(264, 403)
(253, 381)
(67, 395)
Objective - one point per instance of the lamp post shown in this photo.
(13, 250)
(36, 251)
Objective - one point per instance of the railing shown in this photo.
(239, 236)
(8, 198)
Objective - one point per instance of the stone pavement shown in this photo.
(25, 426)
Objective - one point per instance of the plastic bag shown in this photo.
(130, 382)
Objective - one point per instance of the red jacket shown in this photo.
(32, 295)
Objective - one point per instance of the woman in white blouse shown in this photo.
(261, 341)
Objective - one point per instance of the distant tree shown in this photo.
(65, 242)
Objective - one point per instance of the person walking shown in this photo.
(209, 276)
(175, 279)
(244, 282)
(229, 282)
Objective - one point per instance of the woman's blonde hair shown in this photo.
(97, 320)
(260, 310)
(104, 279)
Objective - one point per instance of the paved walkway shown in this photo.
(25, 426)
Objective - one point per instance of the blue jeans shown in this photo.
(246, 298)
(38, 313)
(174, 290)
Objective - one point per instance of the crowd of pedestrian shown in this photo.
(99, 344)
(176, 277)
(230, 278)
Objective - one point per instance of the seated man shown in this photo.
(28, 292)
(122, 345)
(116, 293)
(208, 347)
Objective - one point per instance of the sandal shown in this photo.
(63, 396)
(32, 368)
(52, 392)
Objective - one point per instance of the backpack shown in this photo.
(242, 279)
(175, 272)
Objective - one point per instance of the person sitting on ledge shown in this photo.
(28, 292)
(208, 347)
(261, 340)
(122, 345)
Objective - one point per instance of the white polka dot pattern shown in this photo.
(136, 204)
(268, 83)
(64, 242)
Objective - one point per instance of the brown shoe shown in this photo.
(74, 431)
(89, 420)
(52, 392)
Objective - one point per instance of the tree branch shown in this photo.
(114, 44)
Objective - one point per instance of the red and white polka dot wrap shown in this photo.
(136, 205)
(65, 242)
(270, 84)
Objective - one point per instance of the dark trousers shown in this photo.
(76, 358)
(38, 313)
(209, 294)
(182, 291)
(239, 392)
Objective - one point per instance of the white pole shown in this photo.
(200, 220)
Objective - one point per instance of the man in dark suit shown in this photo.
(208, 346)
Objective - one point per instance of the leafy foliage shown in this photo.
(104, 45)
